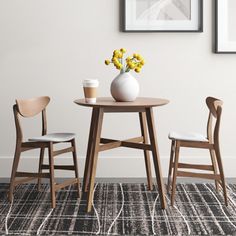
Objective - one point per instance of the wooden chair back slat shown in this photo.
(213, 104)
(29, 108)
(217, 125)
(33, 106)
(215, 107)
(19, 134)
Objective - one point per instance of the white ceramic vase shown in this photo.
(124, 88)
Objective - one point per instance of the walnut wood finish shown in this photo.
(28, 174)
(110, 104)
(33, 106)
(155, 154)
(176, 160)
(133, 140)
(94, 155)
(87, 169)
(195, 166)
(171, 164)
(51, 171)
(143, 126)
(96, 144)
(75, 167)
(41, 157)
(109, 144)
(215, 109)
(59, 167)
(65, 183)
(29, 108)
(198, 175)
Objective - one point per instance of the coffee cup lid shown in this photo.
(90, 82)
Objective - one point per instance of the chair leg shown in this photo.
(40, 167)
(176, 161)
(52, 180)
(221, 170)
(170, 165)
(13, 173)
(213, 160)
(75, 166)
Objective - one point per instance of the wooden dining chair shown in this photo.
(29, 108)
(210, 142)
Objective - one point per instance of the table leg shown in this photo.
(94, 155)
(89, 150)
(156, 157)
(143, 125)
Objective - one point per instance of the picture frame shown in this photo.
(225, 30)
(163, 15)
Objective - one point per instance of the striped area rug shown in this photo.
(118, 209)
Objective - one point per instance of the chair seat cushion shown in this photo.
(187, 137)
(54, 137)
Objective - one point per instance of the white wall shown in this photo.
(48, 47)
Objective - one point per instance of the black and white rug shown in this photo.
(118, 209)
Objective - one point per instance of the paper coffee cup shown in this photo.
(90, 90)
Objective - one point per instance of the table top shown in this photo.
(140, 102)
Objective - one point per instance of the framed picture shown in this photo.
(163, 15)
(225, 26)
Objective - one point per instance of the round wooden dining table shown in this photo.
(148, 143)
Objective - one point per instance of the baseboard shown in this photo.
(112, 167)
(133, 180)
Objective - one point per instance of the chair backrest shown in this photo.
(29, 108)
(33, 106)
(215, 109)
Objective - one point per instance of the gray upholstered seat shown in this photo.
(187, 137)
(54, 137)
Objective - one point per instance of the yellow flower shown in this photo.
(139, 57)
(128, 59)
(115, 60)
(134, 62)
(119, 66)
(120, 55)
(107, 62)
(139, 66)
(116, 53)
(131, 65)
(142, 62)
